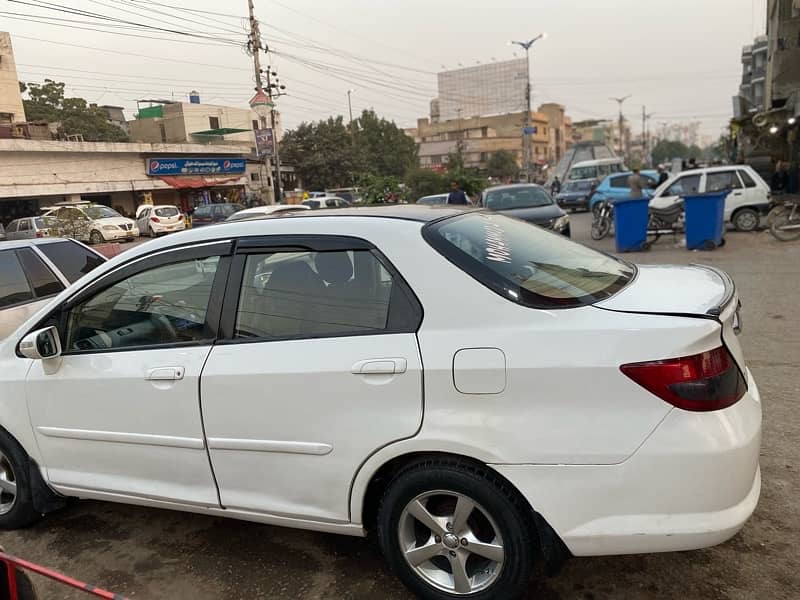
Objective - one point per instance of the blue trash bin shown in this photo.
(630, 224)
(705, 222)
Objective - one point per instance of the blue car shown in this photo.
(615, 187)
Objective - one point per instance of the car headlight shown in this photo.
(110, 227)
(561, 223)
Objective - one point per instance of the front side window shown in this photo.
(165, 305)
(203, 211)
(526, 264)
(619, 181)
(684, 185)
(72, 259)
(314, 294)
(14, 287)
(12, 227)
(24, 225)
(521, 197)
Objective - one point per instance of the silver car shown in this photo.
(29, 228)
(33, 271)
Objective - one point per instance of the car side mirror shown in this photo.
(41, 344)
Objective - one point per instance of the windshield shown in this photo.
(519, 197)
(583, 172)
(525, 263)
(578, 186)
(100, 212)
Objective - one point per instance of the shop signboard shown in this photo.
(195, 166)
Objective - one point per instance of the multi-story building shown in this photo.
(495, 88)
(754, 73)
(11, 107)
(560, 130)
(783, 66)
(478, 137)
(192, 122)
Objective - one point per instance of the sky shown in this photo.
(679, 58)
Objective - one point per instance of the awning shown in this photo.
(183, 182)
(220, 131)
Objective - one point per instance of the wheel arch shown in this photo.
(747, 207)
(368, 490)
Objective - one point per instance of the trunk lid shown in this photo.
(692, 291)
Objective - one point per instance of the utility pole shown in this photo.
(255, 46)
(621, 123)
(350, 107)
(526, 133)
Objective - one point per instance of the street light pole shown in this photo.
(621, 122)
(526, 135)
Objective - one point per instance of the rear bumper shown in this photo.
(692, 484)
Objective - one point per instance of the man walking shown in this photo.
(635, 184)
(456, 195)
(555, 187)
(662, 174)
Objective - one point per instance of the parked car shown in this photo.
(557, 417)
(93, 223)
(529, 202)
(576, 194)
(351, 194)
(615, 187)
(30, 227)
(33, 271)
(266, 211)
(434, 200)
(749, 196)
(208, 214)
(158, 220)
(326, 202)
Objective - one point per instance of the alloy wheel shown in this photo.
(451, 542)
(8, 485)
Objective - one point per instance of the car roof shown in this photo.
(598, 161)
(10, 244)
(512, 186)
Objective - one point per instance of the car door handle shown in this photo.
(380, 366)
(165, 374)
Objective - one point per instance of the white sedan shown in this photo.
(480, 392)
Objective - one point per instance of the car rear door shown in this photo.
(318, 368)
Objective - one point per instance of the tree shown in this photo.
(502, 165)
(46, 102)
(423, 182)
(383, 147)
(666, 150)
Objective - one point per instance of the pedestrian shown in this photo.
(456, 195)
(780, 178)
(555, 187)
(662, 174)
(635, 184)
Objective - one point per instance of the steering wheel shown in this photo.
(165, 326)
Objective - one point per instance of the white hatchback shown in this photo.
(480, 392)
(747, 200)
(158, 220)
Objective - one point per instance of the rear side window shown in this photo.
(73, 260)
(526, 264)
(42, 279)
(620, 181)
(746, 179)
(14, 287)
(167, 211)
(24, 225)
(319, 294)
(203, 211)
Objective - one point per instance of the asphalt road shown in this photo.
(146, 553)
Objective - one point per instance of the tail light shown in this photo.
(40, 234)
(155, 219)
(703, 382)
(180, 217)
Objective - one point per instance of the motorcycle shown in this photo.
(784, 219)
(602, 219)
(665, 221)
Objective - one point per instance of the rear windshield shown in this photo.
(525, 263)
(101, 212)
(517, 197)
(167, 211)
(46, 222)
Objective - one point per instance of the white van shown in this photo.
(596, 169)
(748, 198)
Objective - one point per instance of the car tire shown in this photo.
(746, 219)
(95, 237)
(422, 518)
(16, 499)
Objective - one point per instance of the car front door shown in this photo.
(319, 367)
(118, 413)
(684, 184)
